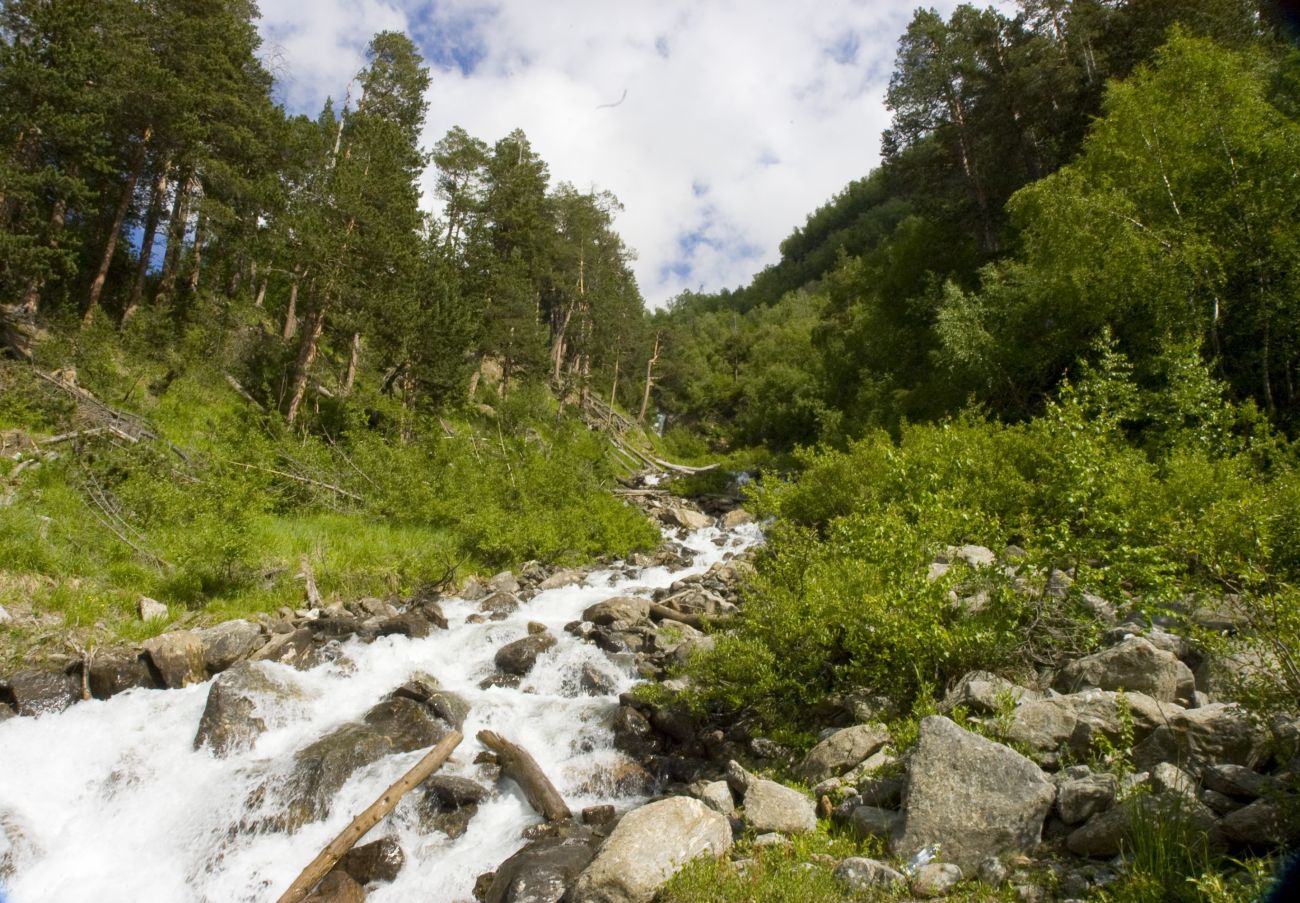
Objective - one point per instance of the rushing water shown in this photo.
(108, 801)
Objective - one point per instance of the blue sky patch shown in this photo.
(453, 41)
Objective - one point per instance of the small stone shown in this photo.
(935, 879)
(860, 874)
(993, 871)
(597, 816)
(151, 609)
(716, 795)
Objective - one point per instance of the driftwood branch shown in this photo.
(314, 599)
(522, 768)
(329, 857)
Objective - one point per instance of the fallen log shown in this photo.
(522, 768)
(699, 622)
(329, 857)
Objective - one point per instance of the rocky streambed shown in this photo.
(225, 786)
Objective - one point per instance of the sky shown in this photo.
(719, 124)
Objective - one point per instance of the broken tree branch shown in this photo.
(329, 857)
(301, 479)
(522, 768)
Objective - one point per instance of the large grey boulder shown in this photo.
(229, 642)
(1078, 799)
(688, 518)
(1264, 823)
(1136, 665)
(232, 719)
(178, 657)
(985, 693)
(649, 846)
(1195, 738)
(1073, 724)
(770, 806)
(1107, 833)
(974, 797)
(39, 692)
(624, 609)
(841, 751)
(870, 821)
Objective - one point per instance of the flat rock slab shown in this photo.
(770, 806)
(1136, 665)
(974, 797)
(649, 846)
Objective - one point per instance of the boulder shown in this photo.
(716, 795)
(649, 846)
(40, 692)
(1073, 723)
(935, 879)
(1263, 824)
(227, 643)
(634, 734)
(519, 657)
(869, 821)
(151, 609)
(1079, 799)
(737, 517)
(293, 648)
(1210, 735)
(974, 556)
(544, 870)
(409, 624)
(624, 609)
(770, 806)
(841, 751)
(115, 671)
(379, 860)
(975, 797)
(178, 658)
(337, 887)
(687, 518)
(561, 578)
(499, 606)
(861, 875)
(1135, 665)
(984, 693)
(230, 720)
(1235, 781)
(448, 792)
(450, 707)
(594, 682)
(1106, 833)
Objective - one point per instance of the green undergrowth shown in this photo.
(225, 515)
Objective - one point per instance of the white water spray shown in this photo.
(109, 802)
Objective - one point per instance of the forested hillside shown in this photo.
(1076, 170)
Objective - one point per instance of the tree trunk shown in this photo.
(196, 265)
(522, 768)
(473, 381)
(353, 358)
(31, 301)
(261, 288)
(119, 217)
(146, 240)
(291, 315)
(613, 393)
(649, 381)
(306, 357)
(175, 239)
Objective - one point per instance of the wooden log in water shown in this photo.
(329, 857)
(518, 765)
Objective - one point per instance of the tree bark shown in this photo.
(387, 802)
(649, 381)
(353, 358)
(146, 240)
(196, 265)
(291, 315)
(306, 357)
(175, 239)
(119, 217)
(522, 768)
(31, 301)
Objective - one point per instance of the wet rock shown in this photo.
(39, 692)
(178, 658)
(519, 657)
(227, 643)
(380, 860)
(620, 609)
(230, 720)
(984, 693)
(861, 875)
(454, 823)
(648, 847)
(935, 879)
(1196, 738)
(409, 624)
(334, 628)
(448, 792)
(293, 648)
(1079, 799)
(561, 578)
(432, 612)
(499, 606)
(770, 806)
(118, 670)
(450, 707)
(337, 887)
(634, 735)
(687, 518)
(975, 797)
(544, 870)
(841, 751)
(594, 682)
(599, 816)
(407, 724)
(151, 609)
(1135, 665)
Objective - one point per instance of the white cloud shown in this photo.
(740, 117)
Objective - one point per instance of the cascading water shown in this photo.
(109, 801)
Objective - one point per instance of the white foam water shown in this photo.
(109, 801)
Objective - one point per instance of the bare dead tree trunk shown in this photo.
(649, 381)
(152, 219)
(613, 393)
(119, 217)
(261, 288)
(306, 357)
(353, 358)
(291, 315)
(518, 765)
